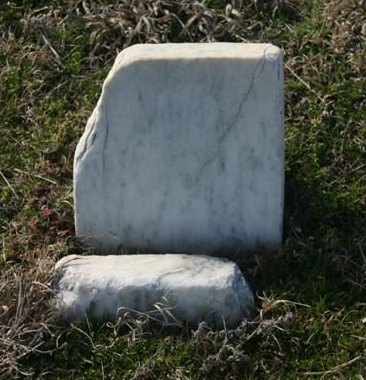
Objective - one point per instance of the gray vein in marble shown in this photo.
(236, 117)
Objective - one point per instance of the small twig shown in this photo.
(22, 144)
(307, 85)
(357, 169)
(334, 369)
(8, 183)
(53, 50)
(4, 258)
(103, 375)
(85, 334)
(359, 337)
(362, 254)
(37, 176)
(44, 286)
(285, 302)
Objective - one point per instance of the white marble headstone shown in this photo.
(184, 151)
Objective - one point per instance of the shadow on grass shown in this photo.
(322, 253)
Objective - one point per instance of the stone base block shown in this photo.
(196, 288)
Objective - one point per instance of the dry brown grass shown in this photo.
(112, 27)
(49, 50)
(26, 317)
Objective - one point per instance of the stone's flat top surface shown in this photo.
(144, 268)
(198, 287)
(185, 152)
(188, 51)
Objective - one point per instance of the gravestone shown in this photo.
(169, 287)
(184, 152)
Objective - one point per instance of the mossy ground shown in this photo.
(54, 56)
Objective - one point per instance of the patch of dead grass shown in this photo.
(37, 227)
(25, 316)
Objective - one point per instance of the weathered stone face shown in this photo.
(184, 151)
(191, 288)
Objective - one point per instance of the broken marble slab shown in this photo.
(192, 288)
(184, 152)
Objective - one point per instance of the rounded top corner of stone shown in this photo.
(127, 56)
(273, 52)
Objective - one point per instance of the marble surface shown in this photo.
(197, 288)
(185, 152)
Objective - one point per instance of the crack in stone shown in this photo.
(86, 144)
(236, 117)
(105, 141)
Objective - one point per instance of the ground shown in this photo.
(311, 295)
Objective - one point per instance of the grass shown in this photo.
(54, 56)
